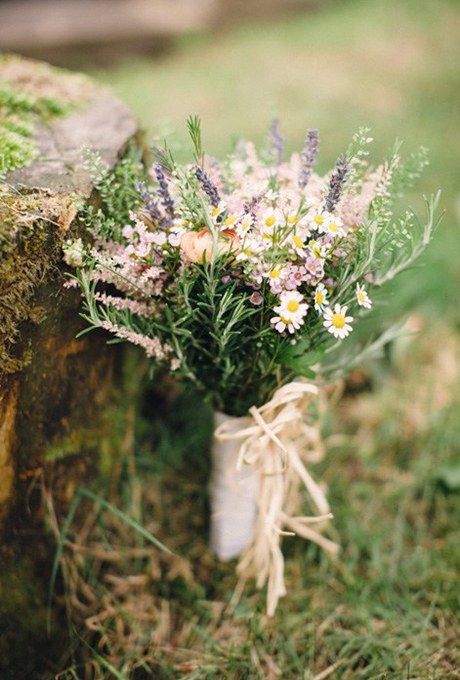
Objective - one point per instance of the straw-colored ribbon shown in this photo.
(276, 439)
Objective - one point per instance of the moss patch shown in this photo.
(32, 93)
(31, 230)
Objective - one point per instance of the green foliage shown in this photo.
(117, 191)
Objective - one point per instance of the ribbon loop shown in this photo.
(276, 439)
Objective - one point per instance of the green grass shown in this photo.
(387, 608)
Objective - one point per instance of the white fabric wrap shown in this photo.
(255, 488)
(233, 493)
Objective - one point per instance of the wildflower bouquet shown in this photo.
(243, 277)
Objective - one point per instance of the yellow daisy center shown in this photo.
(270, 221)
(319, 219)
(361, 296)
(292, 306)
(292, 219)
(230, 220)
(215, 212)
(274, 274)
(333, 226)
(338, 320)
(297, 241)
(319, 297)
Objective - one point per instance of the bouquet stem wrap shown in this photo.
(274, 443)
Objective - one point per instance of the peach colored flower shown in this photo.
(196, 246)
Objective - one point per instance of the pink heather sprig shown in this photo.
(308, 156)
(153, 346)
(123, 303)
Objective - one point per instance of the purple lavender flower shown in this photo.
(277, 141)
(308, 156)
(209, 187)
(149, 204)
(336, 183)
(163, 191)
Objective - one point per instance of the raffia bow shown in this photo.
(276, 439)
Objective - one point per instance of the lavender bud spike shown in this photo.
(308, 156)
(209, 187)
(336, 183)
(163, 191)
(149, 205)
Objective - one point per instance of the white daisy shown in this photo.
(244, 225)
(320, 297)
(291, 312)
(337, 322)
(270, 221)
(318, 250)
(317, 219)
(332, 225)
(362, 297)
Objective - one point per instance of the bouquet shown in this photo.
(244, 278)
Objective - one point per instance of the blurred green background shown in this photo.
(392, 66)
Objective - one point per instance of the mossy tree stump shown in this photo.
(52, 385)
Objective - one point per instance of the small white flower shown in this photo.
(318, 250)
(291, 312)
(320, 297)
(337, 322)
(362, 297)
(244, 226)
(317, 220)
(297, 243)
(174, 236)
(332, 225)
(270, 221)
(218, 211)
(159, 238)
(74, 253)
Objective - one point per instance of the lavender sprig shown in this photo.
(163, 191)
(308, 156)
(150, 205)
(277, 141)
(209, 187)
(336, 183)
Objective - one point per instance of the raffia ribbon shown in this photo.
(278, 441)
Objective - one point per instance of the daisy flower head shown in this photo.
(332, 225)
(337, 322)
(362, 297)
(217, 213)
(297, 243)
(275, 277)
(318, 250)
(320, 297)
(291, 312)
(269, 222)
(317, 220)
(244, 226)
